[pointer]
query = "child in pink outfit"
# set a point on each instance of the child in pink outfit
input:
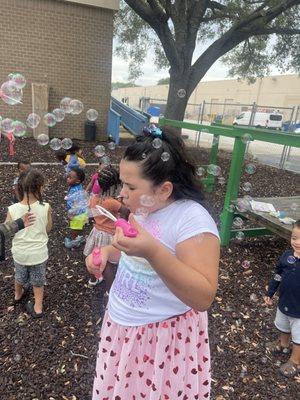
(93, 187)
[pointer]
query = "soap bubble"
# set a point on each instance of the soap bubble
(247, 138)
(247, 186)
(144, 155)
(49, 120)
(221, 180)
(214, 170)
(157, 143)
(33, 120)
(55, 144)
(105, 160)
(291, 259)
(66, 143)
(147, 201)
(17, 358)
(7, 125)
(231, 208)
(18, 79)
(240, 236)
(277, 278)
(250, 169)
(165, 156)
(294, 206)
(237, 222)
(243, 205)
(65, 105)
(246, 264)
(43, 139)
(253, 297)
(111, 145)
(99, 151)
(59, 114)
(19, 128)
(264, 360)
(76, 107)
(200, 171)
(181, 93)
(92, 114)
(10, 93)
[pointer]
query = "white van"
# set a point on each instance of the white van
(261, 120)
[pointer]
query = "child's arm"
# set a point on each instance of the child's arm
(89, 186)
(191, 274)
(50, 222)
(274, 282)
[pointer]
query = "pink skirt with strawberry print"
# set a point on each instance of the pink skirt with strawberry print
(157, 361)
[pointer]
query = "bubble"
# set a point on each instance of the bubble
(76, 107)
(10, 93)
(294, 206)
(214, 170)
(240, 236)
(200, 171)
(65, 105)
(33, 120)
(253, 297)
(277, 278)
(105, 160)
(143, 212)
(247, 138)
(19, 128)
(55, 144)
(7, 125)
(243, 205)
(59, 114)
(92, 114)
(221, 180)
(66, 143)
(165, 156)
(42, 139)
(17, 358)
(246, 264)
(181, 93)
(231, 208)
(291, 259)
(264, 360)
(247, 186)
(238, 222)
(157, 143)
(147, 201)
(18, 79)
(250, 169)
(99, 151)
(144, 155)
(111, 145)
(49, 120)
(277, 363)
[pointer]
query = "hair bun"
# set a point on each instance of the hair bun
(153, 131)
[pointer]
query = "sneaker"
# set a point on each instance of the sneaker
(94, 281)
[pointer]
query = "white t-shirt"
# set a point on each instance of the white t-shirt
(138, 295)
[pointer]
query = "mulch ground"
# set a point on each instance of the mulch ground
(54, 358)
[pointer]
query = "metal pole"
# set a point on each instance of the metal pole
(199, 115)
(202, 113)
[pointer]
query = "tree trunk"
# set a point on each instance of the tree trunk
(177, 97)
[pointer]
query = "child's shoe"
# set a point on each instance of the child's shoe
(68, 243)
(94, 281)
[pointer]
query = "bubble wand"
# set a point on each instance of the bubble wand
(126, 227)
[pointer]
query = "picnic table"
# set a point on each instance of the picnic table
(272, 223)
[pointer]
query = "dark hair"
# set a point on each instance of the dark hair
(31, 182)
(296, 224)
(75, 147)
(24, 162)
(178, 169)
(80, 173)
(61, 156)
(108, 179)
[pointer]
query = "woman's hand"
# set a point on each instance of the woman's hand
(28, 219)
(143, 245)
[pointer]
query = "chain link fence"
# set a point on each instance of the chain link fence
(286, 119)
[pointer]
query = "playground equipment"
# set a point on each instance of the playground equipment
(239, 134)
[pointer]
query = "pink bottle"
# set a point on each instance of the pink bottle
(128, 229)
(97, 260)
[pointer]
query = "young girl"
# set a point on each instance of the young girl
(287, 321)
(29, 246)
(76, 207)
(71, 158)
(154, 339)
(93, 186)
(104, 229)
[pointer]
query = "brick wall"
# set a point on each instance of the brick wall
(67, 46)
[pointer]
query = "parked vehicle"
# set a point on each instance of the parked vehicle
(260, 119)
(289, 126)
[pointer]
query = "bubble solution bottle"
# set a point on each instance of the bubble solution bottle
(97, 260)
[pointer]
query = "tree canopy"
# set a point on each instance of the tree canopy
(249, 35)
(163, 81)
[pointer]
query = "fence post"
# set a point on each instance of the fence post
(202, 113)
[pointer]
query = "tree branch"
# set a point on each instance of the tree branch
(214, 5)
(278, 31)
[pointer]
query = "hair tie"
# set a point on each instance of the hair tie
(153, 131)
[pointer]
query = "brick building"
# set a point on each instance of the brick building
(65, 44)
